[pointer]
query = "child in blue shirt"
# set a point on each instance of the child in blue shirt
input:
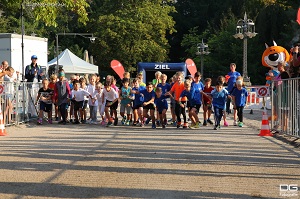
(219, 98)
(194, 102)
(239, 97)
(149, 96)
(138, 100)
(165, 87)
(161, 105)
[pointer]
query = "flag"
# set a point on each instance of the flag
(191, 66)
(298, 16)
(118, 68)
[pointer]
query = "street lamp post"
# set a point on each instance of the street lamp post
(84, 35)
(202, 50)
(245, 29)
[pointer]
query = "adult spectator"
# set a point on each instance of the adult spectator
(230, 84)
(33, 72)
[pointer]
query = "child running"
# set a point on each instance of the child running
(78, 95)
(239, 96)
(207, 102)
(148, 105)
(161, 105)
(219, 97)
(194, 102)
(45, 98)
(137, 102)
(177, 89)
(125, 97)
(110, 97)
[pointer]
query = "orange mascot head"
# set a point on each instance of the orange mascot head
(274, 54)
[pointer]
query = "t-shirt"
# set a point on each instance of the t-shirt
(148, 95)
(207, 91)
(91, 89)
(191, 96)
(161, 102)
(232, 79)
(240, 96)
(165, 88)
(219, 98)
(110, 95)
(79, 94)
(138, 98)
(198, 88)
(125, 94)
(177, 89)
(47, 94)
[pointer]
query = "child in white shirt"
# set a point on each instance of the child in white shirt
(77, 96)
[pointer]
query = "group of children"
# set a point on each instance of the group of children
(141, 103)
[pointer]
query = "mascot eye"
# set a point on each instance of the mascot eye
(273, 57)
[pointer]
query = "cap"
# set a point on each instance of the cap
(33, 57)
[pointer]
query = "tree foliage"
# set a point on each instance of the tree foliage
(132, 31)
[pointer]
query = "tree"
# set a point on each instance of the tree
(131, 32)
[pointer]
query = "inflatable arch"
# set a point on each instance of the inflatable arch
(150, 68)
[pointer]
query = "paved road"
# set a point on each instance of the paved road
(88, 161)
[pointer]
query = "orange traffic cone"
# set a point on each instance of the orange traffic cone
(2, 126)
(265, 128)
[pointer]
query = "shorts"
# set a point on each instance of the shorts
(114, 106)
(45, 107)
(126, 108)
(85, 103)
(149, 106)
(209, 106)
(137, 106)
(196, 106)
(160, 110)
(78, 105)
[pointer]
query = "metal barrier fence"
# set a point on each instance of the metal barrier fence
(18, 101)
(285, 95)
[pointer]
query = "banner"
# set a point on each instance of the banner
(191, 66)
(298, 16)
(118, 68)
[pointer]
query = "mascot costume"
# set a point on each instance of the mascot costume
(270, 58)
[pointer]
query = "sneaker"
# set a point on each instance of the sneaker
(165, 122)
(56, 118)
(148, 120)
(226, 123)
(192, 126)
(197, 125)
(174, 123)
(50, 121)
(215, 128)
(234, 123)
(83, 121)
(204, 123)
(219, 126)
(76, 122)
(103, 123)
(178, 124)
(153, 126)
(123, 120)
(40, 121)
(93, 122)
(127, 123)
(116, 121)
(240, 124)
(64, 122)
(185, 125)
(163, 126)
(209, 121)
(142, 124)
(109, 124)
(71, 120)
(158, 122)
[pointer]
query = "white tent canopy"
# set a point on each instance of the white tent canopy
(73, 64)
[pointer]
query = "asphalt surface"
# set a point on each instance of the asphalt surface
(92, 161)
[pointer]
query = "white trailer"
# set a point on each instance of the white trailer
(11, 50)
